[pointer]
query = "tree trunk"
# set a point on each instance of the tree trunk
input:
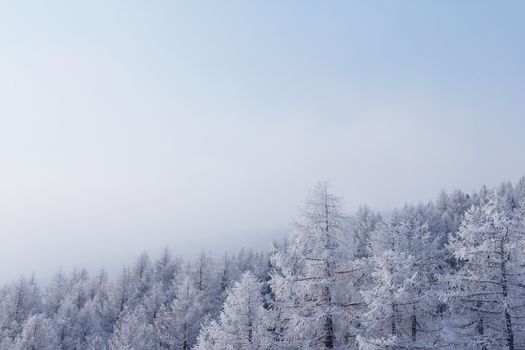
(481, 328)
(328, 333)
(414, 328)
(504, 286)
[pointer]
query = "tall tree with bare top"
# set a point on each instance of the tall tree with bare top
(313, 280)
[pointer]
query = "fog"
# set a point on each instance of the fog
(203, 128)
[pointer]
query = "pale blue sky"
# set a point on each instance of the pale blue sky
(127, 125)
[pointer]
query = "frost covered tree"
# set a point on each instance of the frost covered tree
(401, 300)
(362, 224)
(142, 277)
(187, 312)
(166, 269)
(519, 190)
(487, 294)
(242, 324)
(122, 292)
(56, 292)
(452, 208)
(18, 302)
(98, 311)
(163, 326)
(38, 334)
(314, 281)
(207, 280)
(133, 332)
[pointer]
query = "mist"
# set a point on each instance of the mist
(123, 134)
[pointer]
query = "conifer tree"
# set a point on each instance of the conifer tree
(487, 294)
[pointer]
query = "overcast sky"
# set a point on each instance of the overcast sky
(128, 125)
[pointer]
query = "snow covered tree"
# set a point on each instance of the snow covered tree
(142, 277)
(242, 324)
(122, 292)
(452, 208)
(187, 312)
(98, 309)
(166, 269)
(487, 293)
(519, 190)
(401, 303)
(362, 224)
(38, 334)
(133, 332)
(56, 292)
(207, 279)
(164, 329)
(314, 281)
(19, 301)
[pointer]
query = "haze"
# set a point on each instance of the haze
(129, 125)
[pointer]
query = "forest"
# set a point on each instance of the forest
(447, 274)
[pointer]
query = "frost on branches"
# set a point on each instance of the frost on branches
(487, 292)
(243, 323)
(315, 278)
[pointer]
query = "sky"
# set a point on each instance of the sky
(126, 126)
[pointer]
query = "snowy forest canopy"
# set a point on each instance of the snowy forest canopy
(446, 274)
